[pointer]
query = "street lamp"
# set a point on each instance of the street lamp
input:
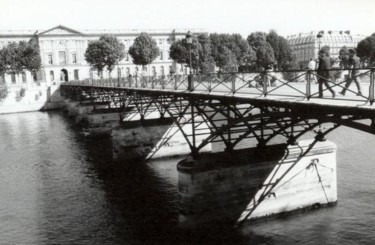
(189, 41)
(118, 74)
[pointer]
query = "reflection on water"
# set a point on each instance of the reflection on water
(59, 188)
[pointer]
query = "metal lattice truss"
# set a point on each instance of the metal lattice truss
(229, 120)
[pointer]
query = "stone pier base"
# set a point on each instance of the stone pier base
(251, 184)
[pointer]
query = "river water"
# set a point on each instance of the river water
(57, 187)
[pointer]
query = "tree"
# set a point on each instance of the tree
(95, 55)
(30, 55)
(366, 50)
(179, 51)
(104, 53)
(18, 57)
(115, 51)
(263, 50)
(13, 57)
(233, 45)
(3, 66)
(144, 50)
(201, 54)
(282, 50)
(226, 60)
(203, 61)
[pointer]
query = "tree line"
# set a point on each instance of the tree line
(230, 51)
(227, 52)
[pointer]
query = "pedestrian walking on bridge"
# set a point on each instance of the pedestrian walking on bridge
(323, 73)
(354, 63)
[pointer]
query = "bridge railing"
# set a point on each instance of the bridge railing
(291, 83)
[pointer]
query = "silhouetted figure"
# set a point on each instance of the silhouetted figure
(323, 73)
(354, 63)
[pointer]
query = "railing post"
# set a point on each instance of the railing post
(190, 83)
(265, 83)
(175, 82)
(308, 85)
(233, 84)
(372, 86)
(209, 83)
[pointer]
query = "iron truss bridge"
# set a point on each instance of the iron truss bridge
(234, 108)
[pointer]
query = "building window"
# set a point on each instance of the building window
(127, 57)
(162, 70)
(161, 55)
(50, 59)
(23, 77)
(160, 41)
(52, 75)
(13, 77)
(62, 58)
(153, 71)
(74, 58)
(76, 74)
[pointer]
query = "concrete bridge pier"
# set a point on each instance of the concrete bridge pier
(251, 184)
(101, 122)
(86, 108)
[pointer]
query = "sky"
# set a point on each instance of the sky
(287, 17)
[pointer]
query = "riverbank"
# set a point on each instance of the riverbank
(31, 97)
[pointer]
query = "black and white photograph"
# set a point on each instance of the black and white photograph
(193, 122)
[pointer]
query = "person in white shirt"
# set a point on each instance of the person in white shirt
(312, 67)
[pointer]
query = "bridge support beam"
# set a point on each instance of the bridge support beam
(152, 139)
(245, 186)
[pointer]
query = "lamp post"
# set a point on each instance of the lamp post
(118, 74)
(189, 41)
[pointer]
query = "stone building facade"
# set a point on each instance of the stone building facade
(306, 45)
(62, 52)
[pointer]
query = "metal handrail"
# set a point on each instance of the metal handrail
(263, 83)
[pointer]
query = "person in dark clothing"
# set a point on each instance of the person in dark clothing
(354, 63)
(323, 73)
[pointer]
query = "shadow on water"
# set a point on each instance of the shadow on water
(144, 206)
